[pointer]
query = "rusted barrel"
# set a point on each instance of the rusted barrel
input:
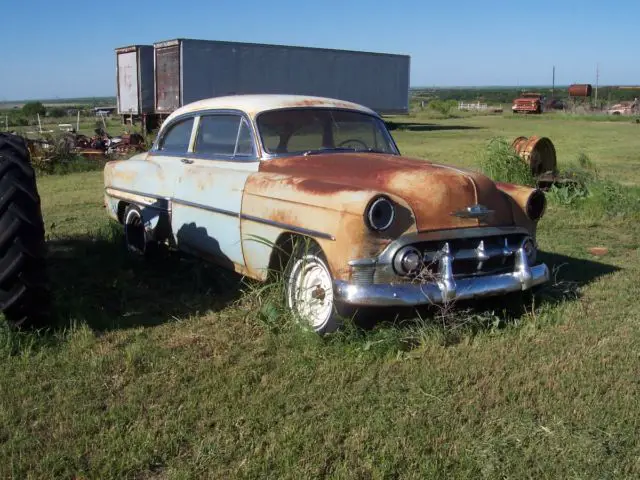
(580, 90)
(538, 152)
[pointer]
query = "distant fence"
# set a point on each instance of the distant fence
(472, 106)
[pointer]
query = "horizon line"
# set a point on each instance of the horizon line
(411, 87)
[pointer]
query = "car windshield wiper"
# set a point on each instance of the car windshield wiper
(342, 149)
(371, 150)
(329, 149)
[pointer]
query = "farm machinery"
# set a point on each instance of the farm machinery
(103, 144)
(99, 145)
(24, 290)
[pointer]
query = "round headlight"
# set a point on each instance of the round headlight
(407, 260)
(536, 205)
(530, 250)
(380, 214)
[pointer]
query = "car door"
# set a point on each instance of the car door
(150, 183)
(208, 194)
(164, 160)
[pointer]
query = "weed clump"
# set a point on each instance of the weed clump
(500, 162)
(585, 191)
(593, 194)
(443, 107)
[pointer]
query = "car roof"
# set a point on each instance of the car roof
(252, 105)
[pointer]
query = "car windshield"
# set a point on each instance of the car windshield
(315, 130)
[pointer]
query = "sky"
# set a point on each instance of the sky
(65, 49)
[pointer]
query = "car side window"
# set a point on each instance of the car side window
(245, 141)
(177, 138)
(218, 134)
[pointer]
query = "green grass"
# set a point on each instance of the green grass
(612, 146)
(166, 370)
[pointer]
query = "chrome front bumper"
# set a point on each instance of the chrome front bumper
(446, 289)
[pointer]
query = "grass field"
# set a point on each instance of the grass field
(166, 370)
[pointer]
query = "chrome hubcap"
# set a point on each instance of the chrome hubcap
(310, 291)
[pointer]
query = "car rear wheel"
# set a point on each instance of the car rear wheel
(136, 236)
(309, 289)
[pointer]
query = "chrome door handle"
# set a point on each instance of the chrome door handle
(187, 161)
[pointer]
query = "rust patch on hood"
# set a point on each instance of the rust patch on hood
(432, 191)
(322, 187)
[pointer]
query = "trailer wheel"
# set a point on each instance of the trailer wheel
(24, 294)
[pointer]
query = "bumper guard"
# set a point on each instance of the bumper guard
(446, 289)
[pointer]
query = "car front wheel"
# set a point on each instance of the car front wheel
(309, 289)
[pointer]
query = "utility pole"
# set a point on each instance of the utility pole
(553, 84)
(597, 79)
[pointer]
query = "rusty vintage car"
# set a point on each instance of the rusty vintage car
(317, 189)
(625, 108)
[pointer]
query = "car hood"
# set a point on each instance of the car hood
(434, 192)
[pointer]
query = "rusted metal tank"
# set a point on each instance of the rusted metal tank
(538, 152)
(580, 90)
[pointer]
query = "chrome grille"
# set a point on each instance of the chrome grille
(473, 256)
(453, 258)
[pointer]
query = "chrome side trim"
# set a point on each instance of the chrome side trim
(140, 204)
(250, 218)
(134, 192)
(186, 203)
(293, 228)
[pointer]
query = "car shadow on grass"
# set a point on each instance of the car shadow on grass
(568, 275)
(96, 281)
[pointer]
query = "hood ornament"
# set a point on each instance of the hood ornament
(476, 211)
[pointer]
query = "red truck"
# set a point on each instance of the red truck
(528, 103)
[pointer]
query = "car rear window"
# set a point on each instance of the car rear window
(176, 140)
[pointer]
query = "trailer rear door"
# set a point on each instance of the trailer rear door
(128, 82)
(167, 78)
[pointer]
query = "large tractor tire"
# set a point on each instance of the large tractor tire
(24, 294)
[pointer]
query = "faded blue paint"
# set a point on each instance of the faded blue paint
(219, 185)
